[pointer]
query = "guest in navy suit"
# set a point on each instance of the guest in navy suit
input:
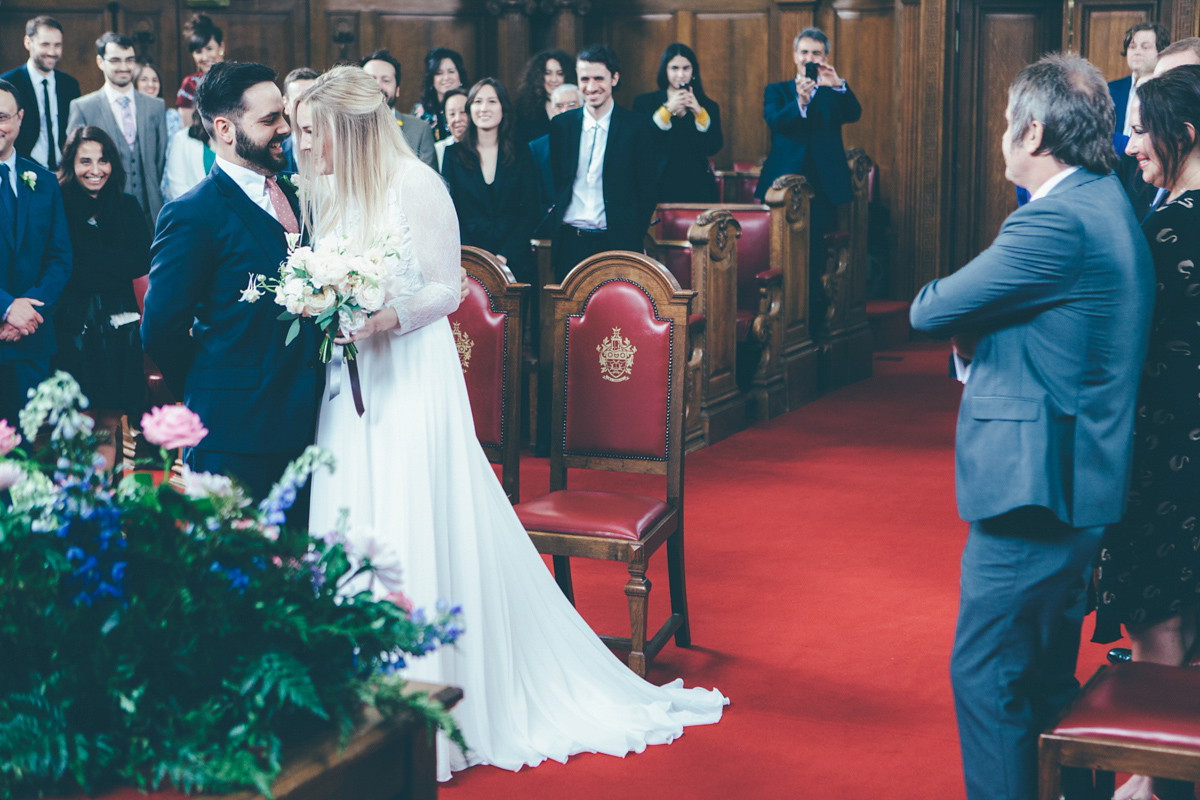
(1143, 42)
(35, 262)
(806, 116)
(606, 165)
(1055, 316)
(228, 359)
(38, 83)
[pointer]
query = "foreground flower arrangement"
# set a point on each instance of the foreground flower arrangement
(153, 638)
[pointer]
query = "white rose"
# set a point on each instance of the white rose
(371, 296)
(290, 295)
(351, 323)
(327, 269)
(319, 302)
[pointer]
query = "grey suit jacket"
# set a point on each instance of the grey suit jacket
(151, 117)
(419, 136)
(1061, 302)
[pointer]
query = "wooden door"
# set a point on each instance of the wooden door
(997, 38)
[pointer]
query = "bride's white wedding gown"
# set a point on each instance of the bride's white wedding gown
(537, 681)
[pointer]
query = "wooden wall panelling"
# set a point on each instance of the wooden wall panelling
(901, 280)
(512, 50)
(639, 40)
(793, 18)
(735, 69)
(1097, 29)
(271, 32)
(1185, 21)
(932, 169)
(998, 38)
(411, 34)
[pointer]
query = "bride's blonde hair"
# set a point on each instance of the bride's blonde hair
(349, 111)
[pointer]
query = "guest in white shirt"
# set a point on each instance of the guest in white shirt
(136, 122)
(45, 93)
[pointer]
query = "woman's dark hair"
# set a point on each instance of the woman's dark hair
(679, 49)
(1170, 103)
(531, 94)
(108, 151)
(200, 30)
(468, 149)
(433, 60)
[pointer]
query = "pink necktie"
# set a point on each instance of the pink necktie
(127, 120)
(283, 209)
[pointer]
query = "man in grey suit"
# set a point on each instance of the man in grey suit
(1054, 319)
(136, 122)
(385, 69)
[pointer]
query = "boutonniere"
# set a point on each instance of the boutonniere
(29, 178)
(289, 180)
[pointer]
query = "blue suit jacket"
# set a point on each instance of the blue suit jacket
(36, 262)
(1120, 89)
(66, 89)
(1061, 301)
(819, 133)
(254, 393)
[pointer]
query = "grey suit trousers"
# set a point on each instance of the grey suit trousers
(1022, 603)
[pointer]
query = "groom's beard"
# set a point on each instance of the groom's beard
(259, 154)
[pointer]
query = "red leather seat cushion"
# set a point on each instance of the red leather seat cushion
(745, 319)
(475, 323)
(673, 223)
(140, 285)
(609, 515)
(1139, 701)
(754, 255)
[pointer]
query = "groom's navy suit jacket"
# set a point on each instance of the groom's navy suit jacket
(1061, 302)
(225, 358)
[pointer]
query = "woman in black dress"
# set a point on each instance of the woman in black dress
(96, 320)
(690, 125)
(1149, 562)
(544, 73)
(493, 181)
(444, 71)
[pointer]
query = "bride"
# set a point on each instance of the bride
(537, 681)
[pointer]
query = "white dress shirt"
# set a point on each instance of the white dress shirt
(114, 96)
(41, 148)
(250, 182)
(586, 209)
(962, 367)
(1127, 128)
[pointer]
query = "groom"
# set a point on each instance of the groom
(227, 359)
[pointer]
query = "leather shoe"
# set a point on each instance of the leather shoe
(1119, 655)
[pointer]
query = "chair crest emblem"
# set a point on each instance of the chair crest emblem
(616, 357)
(463, 344)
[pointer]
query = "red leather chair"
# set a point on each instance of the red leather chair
(620, 346)
(1136, 718)
(487, 332)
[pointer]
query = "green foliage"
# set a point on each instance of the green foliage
(151, 637)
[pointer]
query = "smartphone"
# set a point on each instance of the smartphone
(811, 70)
(687, 86)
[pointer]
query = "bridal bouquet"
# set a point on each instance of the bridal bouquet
(336, 288)
(161, 638)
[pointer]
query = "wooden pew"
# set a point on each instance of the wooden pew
(706, 261)
(844, 335)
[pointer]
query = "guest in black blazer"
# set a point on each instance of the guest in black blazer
(493, 181)
(606, 165)
(37, 80)
(690, 125)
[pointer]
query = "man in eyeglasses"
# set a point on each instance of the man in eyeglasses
(136, 122)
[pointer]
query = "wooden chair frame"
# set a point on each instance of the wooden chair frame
(718, 408)
(504, 297)
(1057, 750)
(674, 304)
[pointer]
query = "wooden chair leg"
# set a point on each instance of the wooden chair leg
(638, 592)
(676, 576)
(562, 574)
(1049, 771)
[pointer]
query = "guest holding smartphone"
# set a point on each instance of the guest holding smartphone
(493, 181)
(690, 126)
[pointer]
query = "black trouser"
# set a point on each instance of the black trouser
(16, 379)
(573, 245)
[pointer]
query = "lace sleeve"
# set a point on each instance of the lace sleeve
(433, 232)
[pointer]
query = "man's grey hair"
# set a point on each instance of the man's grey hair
(563, 89)
(811, 33)
(1069, 97)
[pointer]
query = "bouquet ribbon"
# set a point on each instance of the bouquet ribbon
(335, 379)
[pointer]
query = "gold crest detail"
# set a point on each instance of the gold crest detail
(463, 344)
(616, 357)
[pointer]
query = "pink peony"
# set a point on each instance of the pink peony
(173, 426)
(9, 438)
(400, 600)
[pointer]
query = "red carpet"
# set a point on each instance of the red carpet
(822, 558)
